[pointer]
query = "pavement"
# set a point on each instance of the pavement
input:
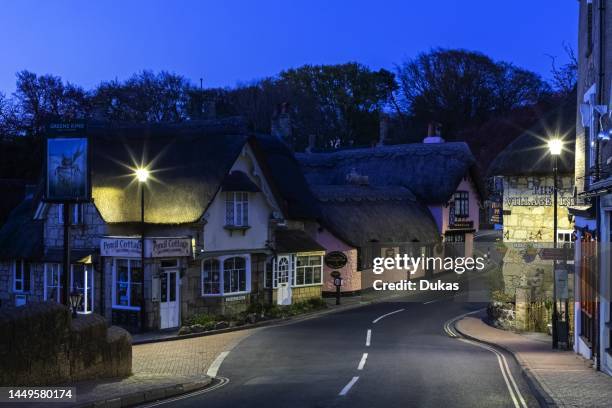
(562, 378)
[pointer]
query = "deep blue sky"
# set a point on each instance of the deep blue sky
(227, 42)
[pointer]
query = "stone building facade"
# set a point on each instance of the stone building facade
(214, 234)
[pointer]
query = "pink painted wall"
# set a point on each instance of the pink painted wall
(351, 277)
(440, 212)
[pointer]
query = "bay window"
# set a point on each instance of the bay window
(127, 286)
(237, 209)
(211, 279)
(226, 275)
(234, 275)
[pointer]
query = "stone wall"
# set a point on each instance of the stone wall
(37, 282)
(40, 344)
(86, 235)
(528, 207)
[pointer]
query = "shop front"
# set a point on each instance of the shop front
(295, 273)
(165, 262)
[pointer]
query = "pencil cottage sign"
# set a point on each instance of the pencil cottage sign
(154, 247)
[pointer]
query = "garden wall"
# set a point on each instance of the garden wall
(40, 344)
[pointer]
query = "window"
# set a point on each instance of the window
(454, 237)
(589, 28)
(53, 282)
(462, 204)
(226, 275)
(127, 286)
(21, 276)
(565, 237)
(81, 280)
(309, 270)
(234, 275)
(77, 214)
(211, 279)
(237, 209)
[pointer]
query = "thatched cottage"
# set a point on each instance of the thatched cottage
(225, 215)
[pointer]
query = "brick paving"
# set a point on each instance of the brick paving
(566, 377)
(184, 357)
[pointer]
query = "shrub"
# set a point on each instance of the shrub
(203, 319)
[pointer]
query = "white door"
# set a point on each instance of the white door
(169, 299)
(283, 276)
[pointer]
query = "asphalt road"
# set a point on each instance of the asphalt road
(411, 362)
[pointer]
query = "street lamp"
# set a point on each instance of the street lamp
(142, 175)
(555, 146)
(75, 301)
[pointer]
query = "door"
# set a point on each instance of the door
(169, 299)
(283, 277)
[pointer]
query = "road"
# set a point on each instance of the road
(406, 360)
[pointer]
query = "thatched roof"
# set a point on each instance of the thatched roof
(187, 164)
(528, 154)
(21, 237)
(286, 174)
(432, 171)
(361, 215)
(190, 162)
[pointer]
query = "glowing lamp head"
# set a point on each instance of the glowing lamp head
(142, 175)
(555, 146)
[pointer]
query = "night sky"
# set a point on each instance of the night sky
(228, 42)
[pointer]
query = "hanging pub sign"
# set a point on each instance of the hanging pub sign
(335, 259)
(67, 163)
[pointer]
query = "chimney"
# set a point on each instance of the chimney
(281, 124)
(433, 133)
(312, 141)
(383, 129)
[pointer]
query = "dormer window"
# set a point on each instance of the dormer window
(236, 208)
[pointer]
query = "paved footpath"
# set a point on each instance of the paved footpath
(160, 370)
(568, 379)
(191, 356)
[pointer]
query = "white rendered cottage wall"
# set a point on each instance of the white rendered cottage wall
(261, 208)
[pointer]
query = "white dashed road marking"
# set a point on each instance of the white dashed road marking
(348, 386)
(362, 361)
(385, 315)
(368, 338)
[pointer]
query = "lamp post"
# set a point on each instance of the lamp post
(142, 175)
(555, 146)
